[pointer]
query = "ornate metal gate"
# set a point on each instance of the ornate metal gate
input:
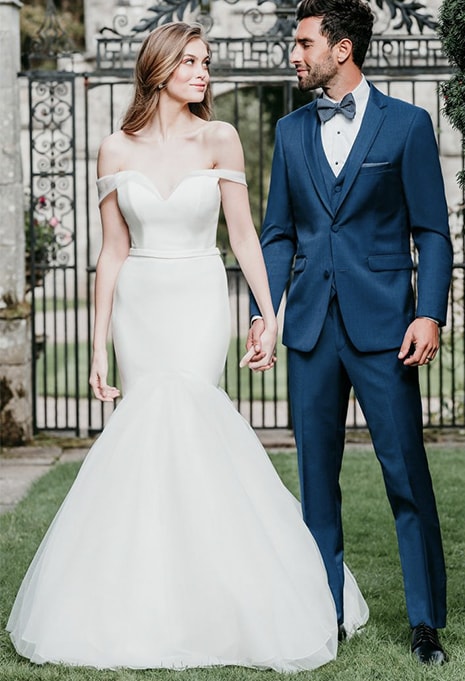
(70, 112)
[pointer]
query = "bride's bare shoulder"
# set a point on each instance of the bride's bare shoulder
(225, 145)
(113, 151)
(221, 132)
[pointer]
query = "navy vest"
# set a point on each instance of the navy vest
(333, 184)
(333, 187)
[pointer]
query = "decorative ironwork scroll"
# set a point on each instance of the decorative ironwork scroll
(405, 12)
(268, 33)
(51, 40)
(408, 13)
(169, 10)
(51, 256)
(51, 231)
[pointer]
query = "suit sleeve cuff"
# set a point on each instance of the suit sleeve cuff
(436, 321)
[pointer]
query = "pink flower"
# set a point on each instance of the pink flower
(54, 222)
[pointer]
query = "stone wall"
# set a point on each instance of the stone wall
(15, 342)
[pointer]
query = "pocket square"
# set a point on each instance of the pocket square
(381, 164)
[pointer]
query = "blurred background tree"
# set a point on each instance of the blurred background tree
(451, 30)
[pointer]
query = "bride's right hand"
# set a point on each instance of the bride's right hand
(98, 379)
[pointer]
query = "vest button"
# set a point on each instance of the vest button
(337, 188)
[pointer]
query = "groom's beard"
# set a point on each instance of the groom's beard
(317, 76)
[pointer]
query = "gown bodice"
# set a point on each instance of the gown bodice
(184, 221)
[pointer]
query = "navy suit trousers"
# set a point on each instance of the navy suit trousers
(388, 392)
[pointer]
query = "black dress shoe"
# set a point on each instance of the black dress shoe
(426, 646)
(341, 633)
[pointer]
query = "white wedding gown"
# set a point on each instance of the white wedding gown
(177, 546)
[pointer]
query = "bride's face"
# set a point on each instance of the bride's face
(189, 80)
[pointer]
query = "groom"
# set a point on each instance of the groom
(355, 176)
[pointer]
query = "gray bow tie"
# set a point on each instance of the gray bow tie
(327, 109)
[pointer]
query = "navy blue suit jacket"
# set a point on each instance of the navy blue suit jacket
(392, 192)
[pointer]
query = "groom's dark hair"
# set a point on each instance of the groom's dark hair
(351, 19)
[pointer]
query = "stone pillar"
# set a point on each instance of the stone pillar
(15, 341)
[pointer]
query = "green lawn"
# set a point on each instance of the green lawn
(42, 304)
(379, 654)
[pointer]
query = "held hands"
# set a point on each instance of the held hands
(261, 344)
(98, 379)
(421, 342)
(420, 345)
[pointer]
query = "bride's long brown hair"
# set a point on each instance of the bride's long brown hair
(160, 54)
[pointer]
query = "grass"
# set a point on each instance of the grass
(379, 653)
(42, 304)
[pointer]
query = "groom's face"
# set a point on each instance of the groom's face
(314, 60)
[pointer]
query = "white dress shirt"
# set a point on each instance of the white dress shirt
(339, 133)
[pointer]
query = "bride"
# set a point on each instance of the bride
(177, 546)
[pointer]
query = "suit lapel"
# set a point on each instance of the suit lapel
(372, 120)
(374, 116)
(310, 129)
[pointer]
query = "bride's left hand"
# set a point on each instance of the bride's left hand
(261, 348)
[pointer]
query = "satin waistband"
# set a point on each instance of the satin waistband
(173, 255)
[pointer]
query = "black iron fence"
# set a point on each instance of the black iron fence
(265, 54)
(70, 114)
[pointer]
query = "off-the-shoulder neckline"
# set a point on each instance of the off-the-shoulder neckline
(216, 172)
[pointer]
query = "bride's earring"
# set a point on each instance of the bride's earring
(161, 86)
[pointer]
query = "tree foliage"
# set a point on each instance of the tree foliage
(451, 30)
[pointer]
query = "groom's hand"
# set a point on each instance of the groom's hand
(261, 347)
(421, 342)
